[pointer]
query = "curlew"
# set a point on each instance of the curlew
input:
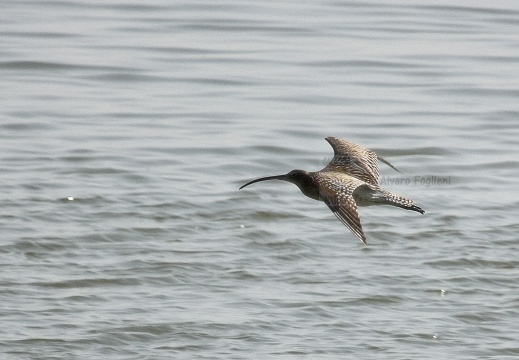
(348, 181)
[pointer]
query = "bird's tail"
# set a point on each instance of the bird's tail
(389, 198)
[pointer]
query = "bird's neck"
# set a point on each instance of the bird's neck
(308, 188)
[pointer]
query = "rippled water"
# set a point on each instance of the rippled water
(126, 130)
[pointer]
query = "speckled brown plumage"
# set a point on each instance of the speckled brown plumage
(348, 181)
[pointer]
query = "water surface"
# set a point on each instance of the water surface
(126, 130)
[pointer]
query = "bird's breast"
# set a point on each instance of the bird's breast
(310, 190)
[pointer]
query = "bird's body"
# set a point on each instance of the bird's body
(348, 181)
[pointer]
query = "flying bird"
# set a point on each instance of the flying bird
(348, 181)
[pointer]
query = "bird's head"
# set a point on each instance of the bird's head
(298, 177)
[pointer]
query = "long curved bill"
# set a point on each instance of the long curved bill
(275, 177)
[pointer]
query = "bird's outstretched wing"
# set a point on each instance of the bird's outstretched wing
(354, 160)
(336, 190)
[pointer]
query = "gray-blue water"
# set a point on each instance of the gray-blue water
(127, 128)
